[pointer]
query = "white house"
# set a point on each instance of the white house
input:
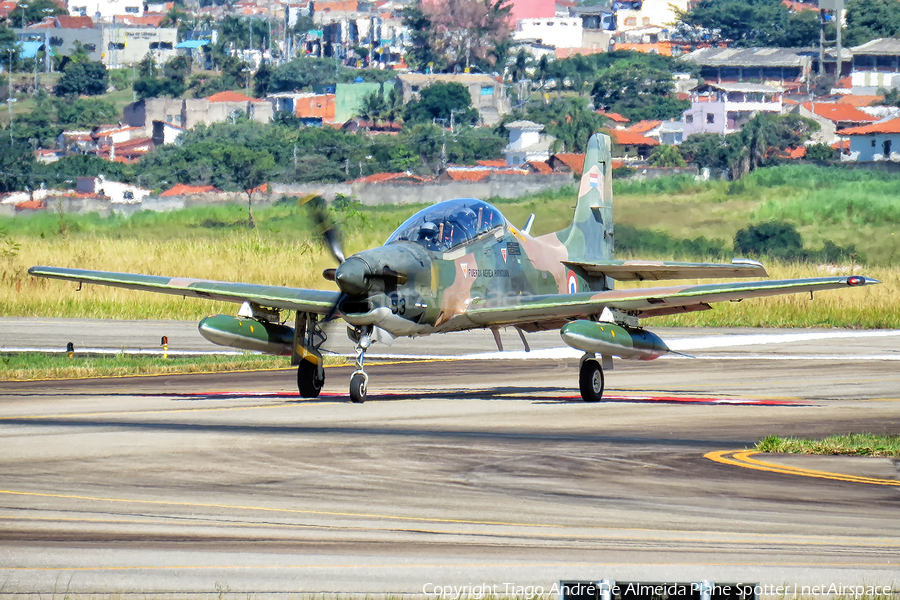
(723, 108)
(527, 143)
(878, 141)
(557, 32)
(118, 193)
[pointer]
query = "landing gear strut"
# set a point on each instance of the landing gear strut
(359, 381)
(308, 339)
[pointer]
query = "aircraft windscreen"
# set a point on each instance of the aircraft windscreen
(449, 224)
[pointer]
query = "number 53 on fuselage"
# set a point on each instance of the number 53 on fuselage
(461, 265)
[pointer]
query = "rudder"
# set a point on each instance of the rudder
(590, 236)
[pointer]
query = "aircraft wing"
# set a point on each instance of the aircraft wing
(643, 302)
(641, 270)
(270, 296)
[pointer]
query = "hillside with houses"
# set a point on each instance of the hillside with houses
(160, 104)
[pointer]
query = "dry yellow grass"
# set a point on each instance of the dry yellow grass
(246, 256)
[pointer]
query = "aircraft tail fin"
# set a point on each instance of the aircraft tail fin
(590, 236)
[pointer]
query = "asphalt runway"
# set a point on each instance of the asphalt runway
(456, 473)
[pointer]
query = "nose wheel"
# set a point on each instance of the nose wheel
(359, 381)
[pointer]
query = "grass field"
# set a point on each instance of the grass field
(23, 367)
(214, 243)
(856, 444)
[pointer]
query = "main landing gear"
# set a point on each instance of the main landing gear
(308, 340)
(590, 377)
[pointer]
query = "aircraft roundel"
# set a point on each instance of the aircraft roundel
(572, 282)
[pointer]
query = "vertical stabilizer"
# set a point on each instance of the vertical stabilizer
(590, 236)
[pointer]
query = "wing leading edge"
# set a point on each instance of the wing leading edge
(644, 302)
(285, 298)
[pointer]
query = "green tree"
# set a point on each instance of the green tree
(83, 78)
(773, 238)
(821, 152)
(152, 87)
(372, 107)
(248, 169)
(637, 91)
(440, 101)
(868, 19)
(749, 23)
(16, 167)
(570, 120)
(706, 150)
(85, 112)
(33, 11)
(666, 156)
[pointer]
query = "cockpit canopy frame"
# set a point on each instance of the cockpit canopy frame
(449, 224)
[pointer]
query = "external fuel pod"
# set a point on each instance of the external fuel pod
(248, 334)
(613, 340)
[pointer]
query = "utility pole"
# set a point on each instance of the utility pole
(10, 99)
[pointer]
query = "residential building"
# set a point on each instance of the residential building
(659, 13)
(527, 143)
(790, 67)
(874, 142)
(488, 94)
(630, 144)
(116, 192)
(189, 113)
(832, 116)
(559, 32)
(112, 44)
(101, 9)
(311, 108)
(723, 108)
(650, 40)
(875, 65)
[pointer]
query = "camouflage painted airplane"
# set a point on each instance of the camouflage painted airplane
(460, 265)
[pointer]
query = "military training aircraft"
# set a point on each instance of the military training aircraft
(459, 265)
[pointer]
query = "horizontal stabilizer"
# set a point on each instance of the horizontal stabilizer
(642, 270)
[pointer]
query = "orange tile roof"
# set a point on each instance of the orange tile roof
(859, 100)
(473, 175)
(664, 48)
(631, 138)
(892, 126)
(839, 112)
(265, 188)
(31, 205)
(575, 162)
(841, 145)
(845, 83)
(229, 96)
(180, 189)
(69, 22)
(644, 126)
(795, 153)
(148, 20)
(492, 163)
(386, 177)
(614, 116)
(541, 167)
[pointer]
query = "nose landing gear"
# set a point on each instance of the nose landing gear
(359, 381)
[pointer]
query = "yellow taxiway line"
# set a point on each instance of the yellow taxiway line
(742, 458)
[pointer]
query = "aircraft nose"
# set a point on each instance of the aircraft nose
(353, 276)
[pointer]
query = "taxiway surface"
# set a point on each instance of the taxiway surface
(457, 472)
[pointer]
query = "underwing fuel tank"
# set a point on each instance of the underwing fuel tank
(248, 334)
(613, 340)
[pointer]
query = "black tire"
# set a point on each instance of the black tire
(358, 388)
(308, 382)
(590, 380)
